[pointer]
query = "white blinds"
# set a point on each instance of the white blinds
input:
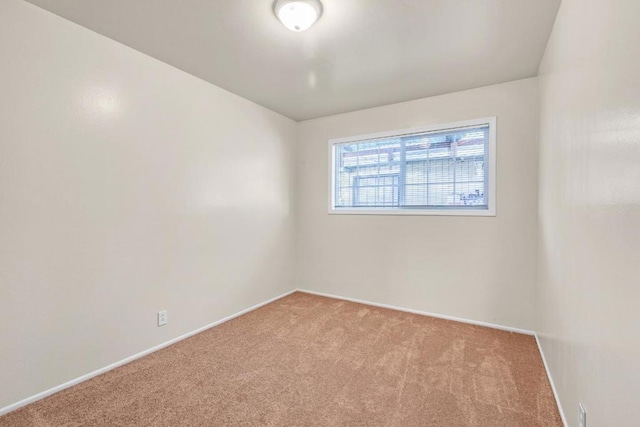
(430, 170)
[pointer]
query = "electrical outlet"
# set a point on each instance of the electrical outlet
(163, 318)
(582, 416)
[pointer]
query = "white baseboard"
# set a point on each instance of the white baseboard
(100, 371)
(423, 313)
(553, 387)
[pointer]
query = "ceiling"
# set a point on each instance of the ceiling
(360, 54)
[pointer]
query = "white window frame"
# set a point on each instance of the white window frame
(492, 193)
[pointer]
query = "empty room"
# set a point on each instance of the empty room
(320, 213)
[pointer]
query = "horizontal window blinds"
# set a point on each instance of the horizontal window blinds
(430, 170)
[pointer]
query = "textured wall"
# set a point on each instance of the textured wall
(589, 320)
(126, 187)
(480, 268)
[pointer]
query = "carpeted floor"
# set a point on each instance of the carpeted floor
(306, 360)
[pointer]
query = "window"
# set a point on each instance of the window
(440, 170)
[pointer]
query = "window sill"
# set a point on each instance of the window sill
(414, 212)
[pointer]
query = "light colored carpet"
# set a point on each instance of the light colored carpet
(306, 360)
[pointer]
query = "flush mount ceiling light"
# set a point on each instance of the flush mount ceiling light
(298, 15)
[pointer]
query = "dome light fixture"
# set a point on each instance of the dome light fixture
(298, 15)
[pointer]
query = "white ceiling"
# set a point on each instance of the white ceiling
(360, 54)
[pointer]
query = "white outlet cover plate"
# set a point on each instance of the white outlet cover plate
(162, 318)
(582, 416)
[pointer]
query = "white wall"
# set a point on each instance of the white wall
(480, 268)
(589, 320)
(126, 187)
